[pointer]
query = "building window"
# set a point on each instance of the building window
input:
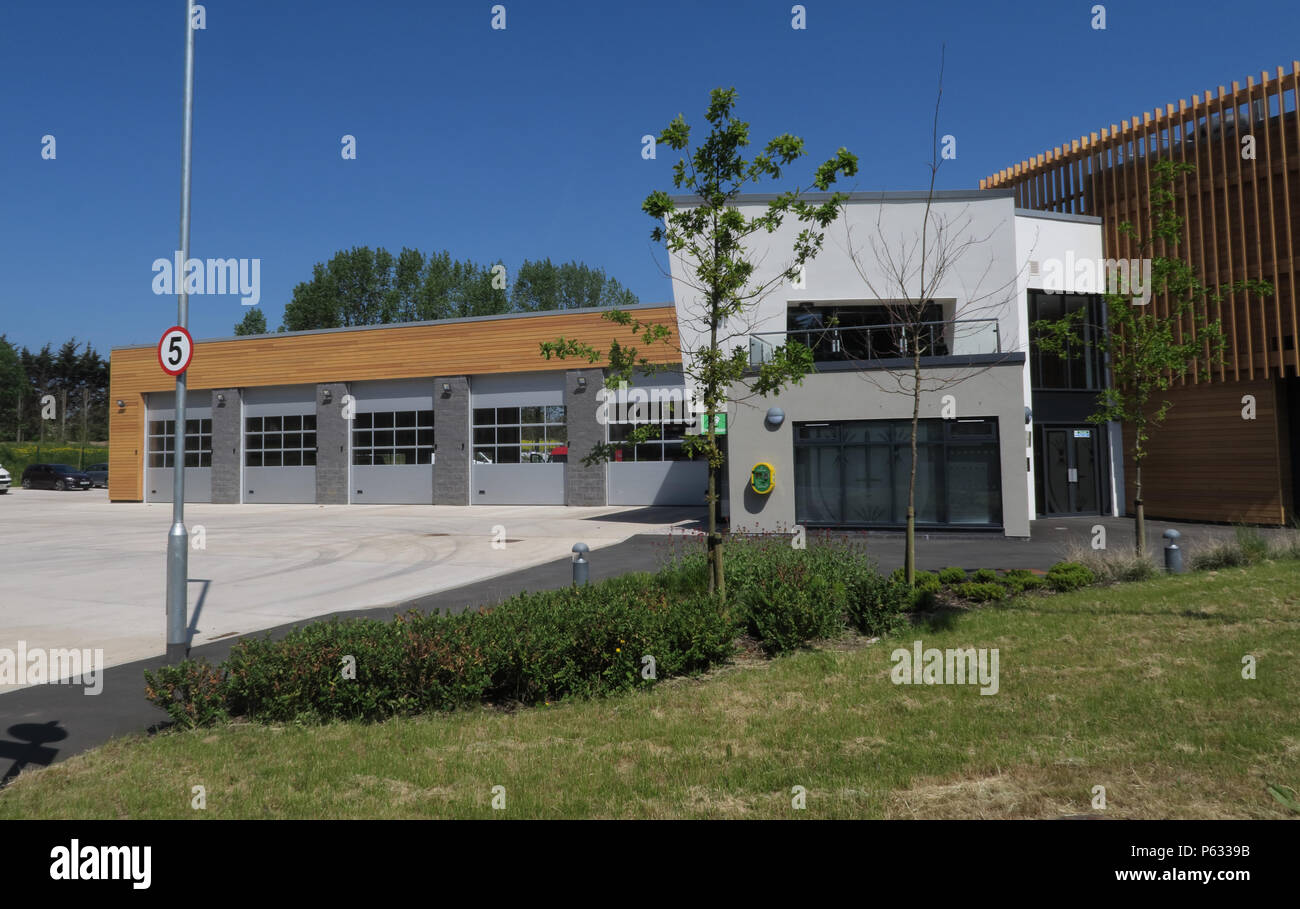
(666, 447)
(866, 331)
(1082, 369)
(286, 441)
(520, 435)
(392, 438)
(198, 443)
(856, 473)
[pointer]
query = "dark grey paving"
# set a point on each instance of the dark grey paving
(1051, 540)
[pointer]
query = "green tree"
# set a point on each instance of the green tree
(253, 323)
(13, 384)
(361, 286)
(542, 286)
(710, 236)
(905, 269)
(1148, 351)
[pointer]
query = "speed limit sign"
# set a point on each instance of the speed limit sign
(175, 350)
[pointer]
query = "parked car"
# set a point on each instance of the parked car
(54, 476)
(98, 474)
(5, 480)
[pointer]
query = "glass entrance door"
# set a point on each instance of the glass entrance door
(1070, 474)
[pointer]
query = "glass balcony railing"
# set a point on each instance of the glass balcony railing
(870, 343)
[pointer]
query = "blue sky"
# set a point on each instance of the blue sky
(513, 144)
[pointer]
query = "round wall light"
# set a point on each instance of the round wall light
(775, 416)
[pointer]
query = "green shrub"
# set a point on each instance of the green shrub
(980, 591)
(877, 606)
(1065, 576)
(786, 597)
(794, 606)
(305, 675)
(574, 642)
(192, 692)
(1018, 580)
(985, 576)
(589, 641)
(924, 590)
(952, 575)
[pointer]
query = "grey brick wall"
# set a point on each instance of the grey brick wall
(451, 432)
(583, 485)
(331, 446)
(227, 447)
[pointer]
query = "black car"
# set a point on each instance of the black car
(98, 474)
(54, 476)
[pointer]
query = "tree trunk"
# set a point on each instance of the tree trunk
(717, 581)
(1139, 516)
(909, 546)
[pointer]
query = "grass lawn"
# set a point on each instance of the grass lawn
(1136, 688)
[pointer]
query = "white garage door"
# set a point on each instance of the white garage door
(160, 449)
(280, 444)
(393, 443)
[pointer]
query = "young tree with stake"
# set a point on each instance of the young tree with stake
(1146, 349)
(709, 238)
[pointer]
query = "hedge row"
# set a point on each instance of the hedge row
(575, 642)
(16, 457)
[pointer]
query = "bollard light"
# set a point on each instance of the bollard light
(1173, 555)
(581, 566)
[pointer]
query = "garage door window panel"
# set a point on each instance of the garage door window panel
(198, 443)
(280, 441)
(392, 439)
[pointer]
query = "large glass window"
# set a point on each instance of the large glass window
(198, 443)
(667, 446)
(866, 331)
(284, 441)
(1083, 368)
(520, 435)
(392, 438)
(857, 473)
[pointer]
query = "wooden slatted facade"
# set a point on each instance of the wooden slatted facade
(426, 349)
(1241, 221)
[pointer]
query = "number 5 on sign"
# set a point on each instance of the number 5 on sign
(175, 350)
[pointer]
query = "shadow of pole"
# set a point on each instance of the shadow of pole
(30, 746)
(198, 608)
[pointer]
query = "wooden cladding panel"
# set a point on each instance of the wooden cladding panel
(1241, 214)
(397, 352)
(125, 442)
(1206, 463)
(402, 351)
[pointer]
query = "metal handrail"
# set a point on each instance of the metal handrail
(759, 343)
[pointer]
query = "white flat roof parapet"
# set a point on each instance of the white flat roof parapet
(940, 195)
(1057, 216)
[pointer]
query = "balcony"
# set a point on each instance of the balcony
(883, 345)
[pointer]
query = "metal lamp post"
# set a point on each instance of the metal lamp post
(178, 541)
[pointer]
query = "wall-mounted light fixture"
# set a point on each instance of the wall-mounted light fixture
(582, 381)
(446, 388)
(120, 403)
(775, 417)
(221, 400)
(326, 396)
